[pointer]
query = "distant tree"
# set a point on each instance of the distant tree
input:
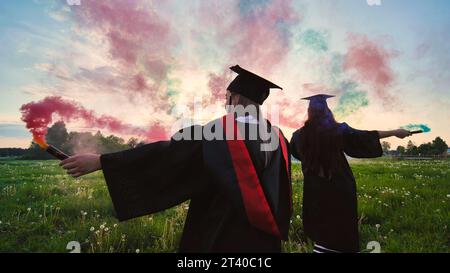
(425, 149)
(411, 149)
(439, 146)
(82, 142)
(386, 146)
(12, 152)
(401, 150)
(133, 142)
(57, 134)
(113, 143)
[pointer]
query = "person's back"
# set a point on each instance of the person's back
(229, 223)
(239, 189)
(329, 193)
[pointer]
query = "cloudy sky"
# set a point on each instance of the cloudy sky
(135, 67)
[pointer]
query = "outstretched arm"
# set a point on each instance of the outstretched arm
(81, 164)
(400, 133)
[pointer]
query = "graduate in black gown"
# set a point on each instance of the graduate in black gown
(329, 203)
(239, 192)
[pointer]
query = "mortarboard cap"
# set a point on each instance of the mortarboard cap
(318, 100)
(251, 85)
(320, 97)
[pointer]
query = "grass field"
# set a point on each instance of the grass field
(404, 205)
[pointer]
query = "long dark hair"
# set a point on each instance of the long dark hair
(321, 145)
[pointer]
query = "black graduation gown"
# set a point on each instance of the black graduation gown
(161, 175)
(330, 207)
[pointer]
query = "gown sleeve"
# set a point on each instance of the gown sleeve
(360, 143)
(153, 177)
(295, 145)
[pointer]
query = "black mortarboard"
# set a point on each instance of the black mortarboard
(318, 99)
(251, 85)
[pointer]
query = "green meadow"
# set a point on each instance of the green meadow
(403, 205)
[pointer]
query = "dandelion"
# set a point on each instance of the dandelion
(377, 226)
(137, 251)
(115, 225)
(92, 229)
(102, 227)
(28, 209)
(298, 216)
(448, 195)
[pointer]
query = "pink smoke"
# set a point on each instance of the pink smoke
(218, 84)
(371, 62)
(138, 37)
(39, 115)
(263, 38)
(291, 113)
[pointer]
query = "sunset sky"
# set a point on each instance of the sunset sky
(144, 63)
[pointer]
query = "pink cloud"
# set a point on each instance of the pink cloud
(218, 84)
(136, 34)
(372, 64)
(264, 36)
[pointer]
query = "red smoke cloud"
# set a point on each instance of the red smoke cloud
(291, 113)
(264, 34)
(139, 39)
(39, 115)
(133, 31)
(371, 62)
(218, 84)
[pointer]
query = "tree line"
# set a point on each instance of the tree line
(435, 148)
(73, 142)
(76, 142)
